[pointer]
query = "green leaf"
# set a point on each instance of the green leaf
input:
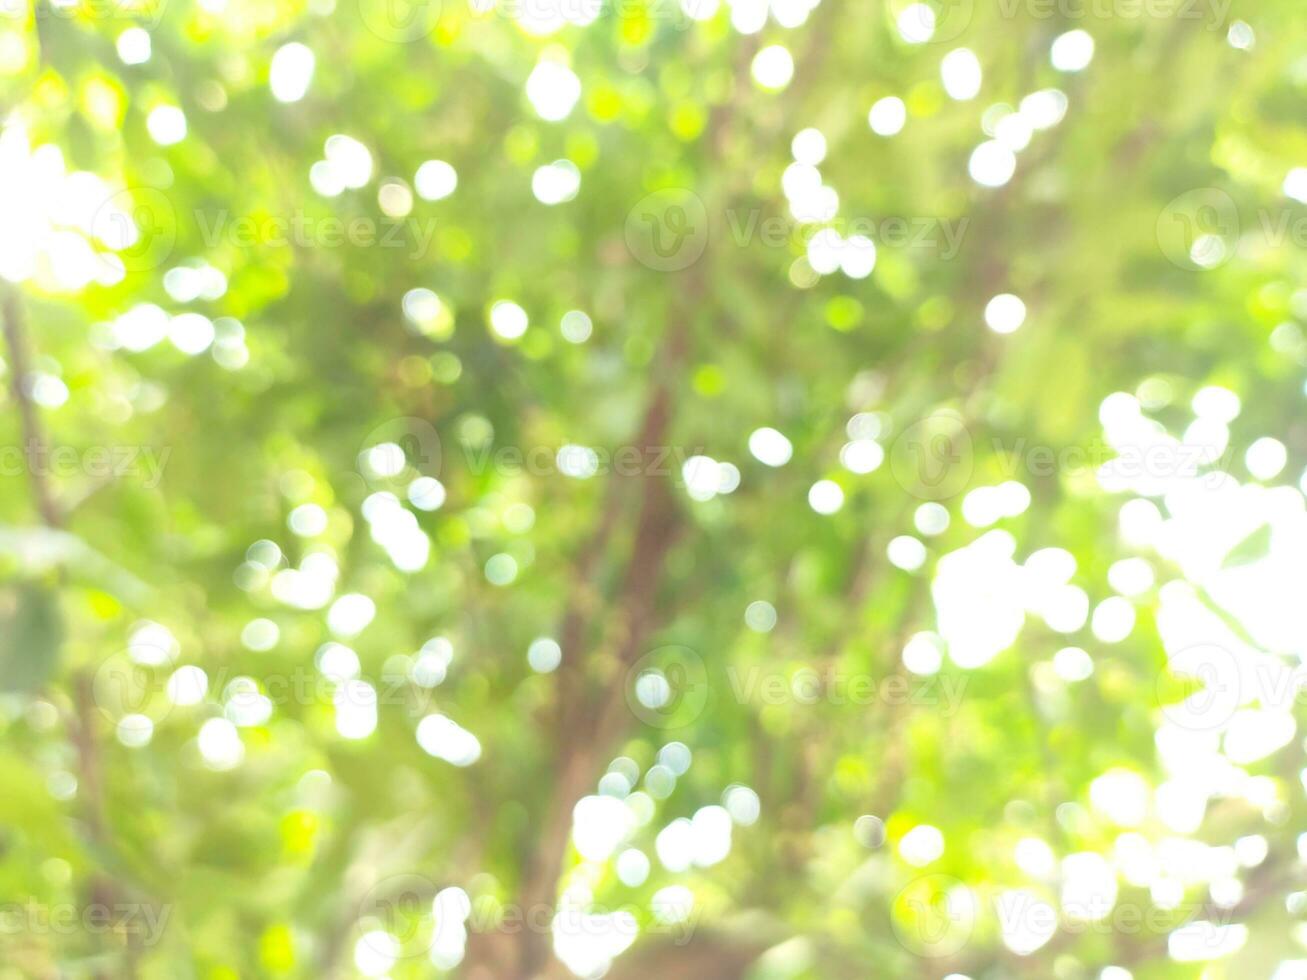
(42, 549)
(31, 636)
(1251, 549)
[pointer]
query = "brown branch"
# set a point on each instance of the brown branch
(585, 722)
(33, 440)
(103, 889)
(711, 956)
(586, 726)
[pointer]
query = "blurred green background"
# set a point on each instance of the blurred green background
(662, 489)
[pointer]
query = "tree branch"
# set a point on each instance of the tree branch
(33, 439)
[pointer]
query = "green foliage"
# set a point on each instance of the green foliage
(272, 672)
(33, 635)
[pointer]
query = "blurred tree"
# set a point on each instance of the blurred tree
(776, 490)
